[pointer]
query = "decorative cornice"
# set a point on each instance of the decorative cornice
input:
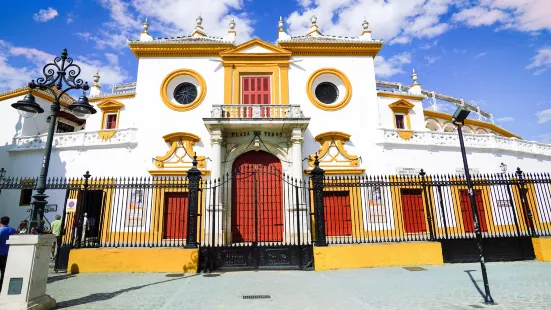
(112, 96)
(399, 95)
(65, 101)
(178, 49)
(493, 127)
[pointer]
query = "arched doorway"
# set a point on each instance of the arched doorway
(257, 198)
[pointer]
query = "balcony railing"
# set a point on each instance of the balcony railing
(81, 139)
(480, 141)
(262, 111)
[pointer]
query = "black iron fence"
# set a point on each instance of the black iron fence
(267, 207)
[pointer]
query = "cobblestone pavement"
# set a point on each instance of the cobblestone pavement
(514, 285)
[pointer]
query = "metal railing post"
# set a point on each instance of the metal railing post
(194, 178)
(429, 209)
(318, 176)
(524, 201)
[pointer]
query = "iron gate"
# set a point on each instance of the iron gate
(255, 218)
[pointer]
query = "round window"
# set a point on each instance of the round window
(327, 92)
(185, 93)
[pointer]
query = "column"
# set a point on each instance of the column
(296, 139)
(213, 224)
(216, 144)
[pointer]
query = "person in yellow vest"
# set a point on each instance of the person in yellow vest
(56, 231)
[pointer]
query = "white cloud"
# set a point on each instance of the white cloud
(480, 55)
(70, 18)
(13, 77)
(386, 68)
(431, 59)
(541, 62)
(505, 119)
(544, 116)
(45, 15)
(479, 16)
(429, 45)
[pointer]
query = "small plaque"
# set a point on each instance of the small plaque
(16, 284)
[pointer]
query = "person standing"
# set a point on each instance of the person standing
(56, 230)
(5, 233)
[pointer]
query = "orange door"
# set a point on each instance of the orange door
(467, 211)
(336, 206)
(256, 90)
(176, 205)
(413, 211)
(257, 200)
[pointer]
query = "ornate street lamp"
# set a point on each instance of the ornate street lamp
(503, 168)
(57, 74)
(458, 119)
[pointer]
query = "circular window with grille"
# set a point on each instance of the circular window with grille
(327, 92)
(185, 93)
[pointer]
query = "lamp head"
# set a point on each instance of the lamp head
(503, 167)
(460, 115)
(82, 109)
(27, 106)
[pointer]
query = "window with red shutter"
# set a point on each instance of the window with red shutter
(399, 121)
(111, 122)
(255, 90)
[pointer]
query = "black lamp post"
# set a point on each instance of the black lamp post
(56, 74)
(458, 119)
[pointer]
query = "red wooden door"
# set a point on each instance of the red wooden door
(176, 205)
(336, 206)
(257, 200)
(413, 211)
(467, 211)
(256, 90)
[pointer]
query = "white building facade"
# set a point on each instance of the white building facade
(208, 96)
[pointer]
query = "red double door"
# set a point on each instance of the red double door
(257, 199)
(256, 90)
(413, 211)
(175, 220)
(467, 210)
(336, 208)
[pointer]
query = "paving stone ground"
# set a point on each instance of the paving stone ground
(514, 285)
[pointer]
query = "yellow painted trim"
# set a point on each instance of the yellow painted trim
(107, 107)
(329, 107)
(331, 49)
(178, 50)
(106, 135)
(114, 96)
(405, 134)
(268, 70)
(176, 260)
(542, 248)
(188, 141)
(400, 96)
(174, 172)
(187, 107)
(486, 125)
(377, 255)
(64, 102)
(333, 139)
(237, 51)
(357, 171)
(284, 83)
(228, 84)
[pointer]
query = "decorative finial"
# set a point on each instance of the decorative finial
(316, 160)
(313, 19)
(199, 20)
(232, 24)
(365, 24)
(145, 25)
(96, 76)
(414, 77)
(281, 23)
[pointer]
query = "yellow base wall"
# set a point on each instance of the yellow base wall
(377, 255)
(134, 260)
(542, 248)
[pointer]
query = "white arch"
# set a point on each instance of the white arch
(449, 128)
(433, 125)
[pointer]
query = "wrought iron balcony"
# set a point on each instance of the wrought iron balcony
(240, 115)
(476, 141)
(80, 139)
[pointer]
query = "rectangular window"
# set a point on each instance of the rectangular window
(255, 90)
(62, 127)
(399, 121)
(25, 197)
(111, 121)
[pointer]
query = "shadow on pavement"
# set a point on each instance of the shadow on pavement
(475, 284)
(53, 279)
(106, 296)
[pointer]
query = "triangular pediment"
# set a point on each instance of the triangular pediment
(256, 46)
(110, 105)
(401, 104)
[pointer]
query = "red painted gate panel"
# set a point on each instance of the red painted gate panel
(467, 210)
(257, 200)
(413, 211)
(256, 90)
(336, 206)
(176, 205)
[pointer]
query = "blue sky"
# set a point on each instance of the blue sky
(495, 53)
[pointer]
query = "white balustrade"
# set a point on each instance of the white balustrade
(79, 139)
(451, 139)
(247, 111)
